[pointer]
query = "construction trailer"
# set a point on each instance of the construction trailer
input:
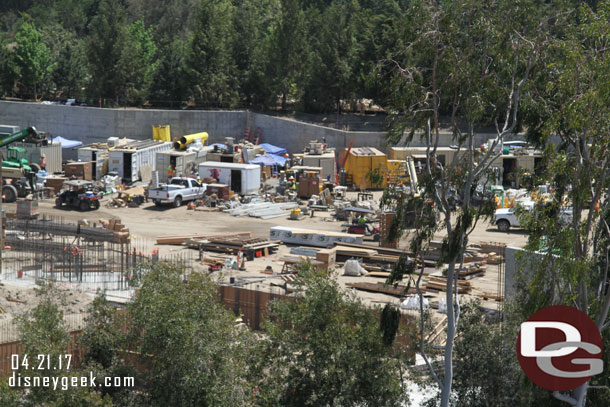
(182, 162)
(506, 169)
(366, 168)
(132, 159)
(444, 154)
(243, 179)
(326, 161)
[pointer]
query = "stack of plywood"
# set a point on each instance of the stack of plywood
(184, 239)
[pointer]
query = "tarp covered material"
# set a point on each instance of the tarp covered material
(269, 160)
(65, 143)
(271, 149)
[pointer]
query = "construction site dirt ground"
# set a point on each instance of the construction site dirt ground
(148, 222)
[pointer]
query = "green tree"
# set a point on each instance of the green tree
(70, 74)
(31, 58)
(168, 80)
(467, 59)
(252, 21)
(289, 52)
(571, 267)
(105, 48)
(325, 347)
(195, 352)
(43, 331)
(334, 39)
(136, 64)
(104, 345)
(209, 66)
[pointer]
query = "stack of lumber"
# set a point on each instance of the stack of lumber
(326, 256)
(250, 247)
(470, 271)
(371, 256)
(179, 240)
(381, 288)
(434, 283)
(214, 259)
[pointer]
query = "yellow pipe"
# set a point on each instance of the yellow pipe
(190, 138)
(179, 146)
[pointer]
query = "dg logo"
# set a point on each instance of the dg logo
(560, 348)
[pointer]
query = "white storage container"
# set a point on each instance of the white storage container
(243, 179)
(128, 160)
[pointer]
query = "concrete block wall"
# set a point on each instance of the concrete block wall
(295, 135)
(90, 124)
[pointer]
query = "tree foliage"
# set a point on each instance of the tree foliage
(325, 347)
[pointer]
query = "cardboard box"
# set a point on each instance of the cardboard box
(81, 170)
(222, 191)
(308, 186)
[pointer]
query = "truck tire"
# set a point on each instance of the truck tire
(10, 193)
(35, 168)
(83, 205)
(178, 201)
(95, 204)
(157, 202)
(59, 202)
(503, 225)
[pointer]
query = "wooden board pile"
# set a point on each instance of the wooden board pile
(382, 288)
(373, 258)
(178, 240)
(326, 257)
(250, 247)
(434, 283)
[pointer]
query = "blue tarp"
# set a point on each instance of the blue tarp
(65, 143)
(271, 149)
(269, 160)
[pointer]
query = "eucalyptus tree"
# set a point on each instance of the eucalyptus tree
(471, 62)
(571, 265)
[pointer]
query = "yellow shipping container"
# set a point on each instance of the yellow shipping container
(367, 168)
(162, 133)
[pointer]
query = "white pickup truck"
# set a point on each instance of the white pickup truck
(507, 218)
(177, 191)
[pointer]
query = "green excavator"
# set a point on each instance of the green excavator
(17, 172)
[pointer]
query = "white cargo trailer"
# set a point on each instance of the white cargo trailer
(128, 160)
(326, 161)
(243, 179)
(183, 163)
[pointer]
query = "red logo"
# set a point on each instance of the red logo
(560, 348)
